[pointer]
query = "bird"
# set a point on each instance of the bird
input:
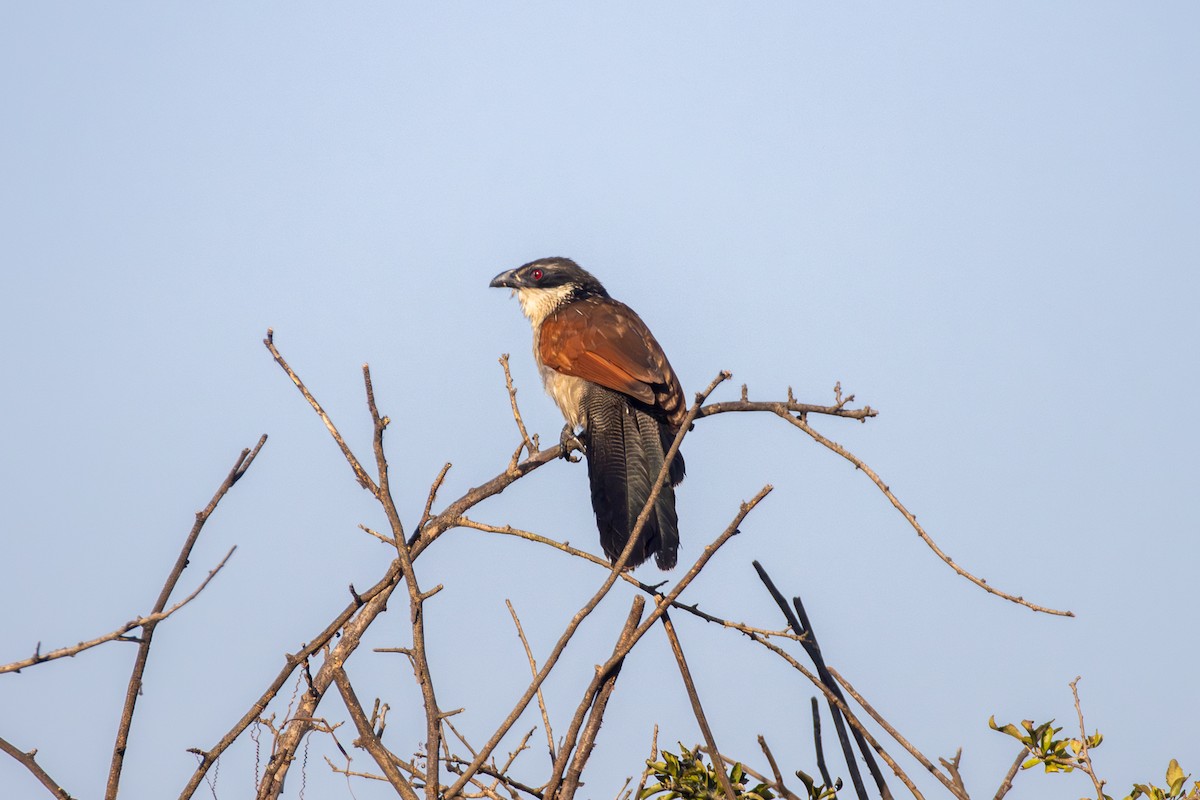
(613, 383)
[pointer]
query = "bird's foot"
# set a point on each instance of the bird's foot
(569, 443)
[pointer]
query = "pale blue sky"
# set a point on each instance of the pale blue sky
(980, 218)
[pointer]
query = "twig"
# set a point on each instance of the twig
(779, 784)
(593, 705)
(134, 689)
(119, 634)
(1083, 758)
(433, 490)
(385, 586)
(591, 604)
(697, 708)
(800, 423)
(371, 531)
(693, 609)
(360, 474)
(27, 760)
(526, 442)
(367, 738)
(952, 767)
(533, 669)
(645, 772)
(957, 791)
(1006, 784)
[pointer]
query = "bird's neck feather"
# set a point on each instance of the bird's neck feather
(537, 304)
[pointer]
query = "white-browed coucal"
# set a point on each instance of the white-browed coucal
(613, 382)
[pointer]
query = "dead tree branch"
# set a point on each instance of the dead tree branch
(39, 657)
(134, 689)
(697, 709)
(28, 761)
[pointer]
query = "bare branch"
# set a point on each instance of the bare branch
(564, 782)
(1006, 784)
(803, 425)
(533, 669)
(1084, 759)
(779, 784)
(693, 609)
(653, 757)
(360, 474)
(697, 708)
(661, 606)
(529, 445)
(367, 738)
(39, 657)
(845, 710)
(957, 791)
(433, 490)
(134, 689)
(27, 760)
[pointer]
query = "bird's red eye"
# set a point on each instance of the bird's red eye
(537, 274)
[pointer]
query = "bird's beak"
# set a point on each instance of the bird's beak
(506, 280)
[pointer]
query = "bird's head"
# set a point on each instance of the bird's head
(547, 283)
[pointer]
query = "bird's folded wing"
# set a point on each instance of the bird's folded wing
(605, 342)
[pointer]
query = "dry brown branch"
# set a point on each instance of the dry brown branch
(28, 761)
(563, 780)
(134, 689)
(372, 532)
(796, 414)
(789, 407)
(433, 490)
(565, 547)
(512, 757)
(803, 425)
(39, 657)
(779, 784)
(1085, 760)
(653, 757)
(895, 734)
(293, 732)
(385, 586)
(367, 739)
(617, 567)
(697, 709)
(1006, 784)
(664, 602)
(952, 766)
(529, 445)
(360, 474)
(533, 669)
(416, 599)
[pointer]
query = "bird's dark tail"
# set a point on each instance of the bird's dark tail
(626, 444)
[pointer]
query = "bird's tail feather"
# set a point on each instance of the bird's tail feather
(625, 449)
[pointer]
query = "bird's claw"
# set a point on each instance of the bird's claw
(569, 443)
